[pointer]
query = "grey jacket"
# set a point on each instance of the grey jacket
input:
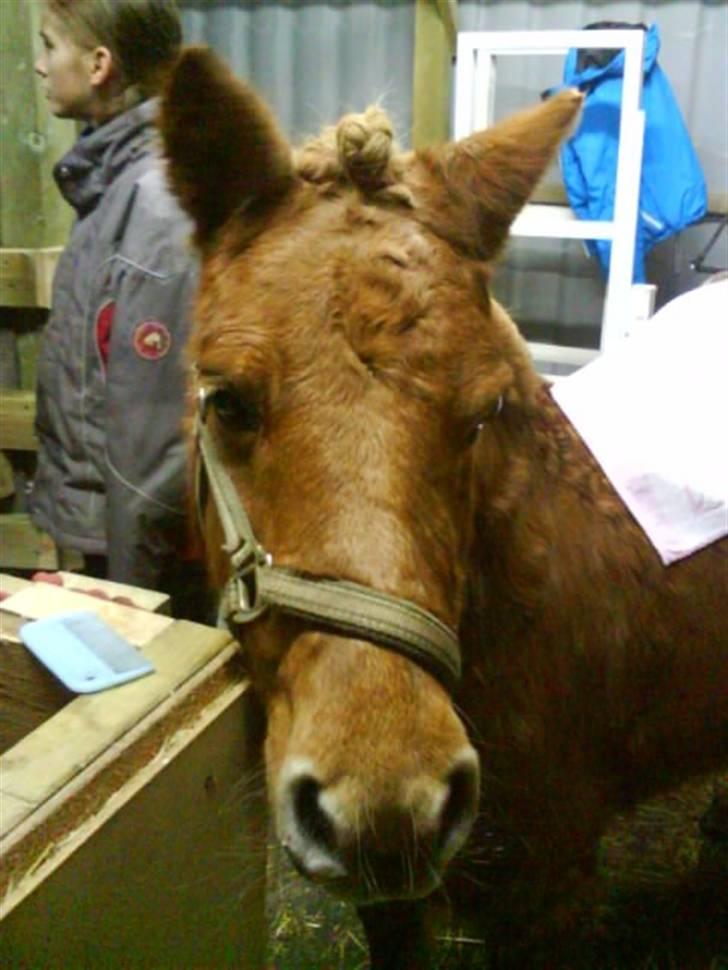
(111, 373)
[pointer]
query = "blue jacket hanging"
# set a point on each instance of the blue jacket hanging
(672, 191)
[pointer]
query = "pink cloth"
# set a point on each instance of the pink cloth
(654, 413)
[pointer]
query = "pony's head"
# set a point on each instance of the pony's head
(358, 376)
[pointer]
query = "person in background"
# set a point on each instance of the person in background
(111, 475)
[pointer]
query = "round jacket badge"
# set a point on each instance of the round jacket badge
(152, 339)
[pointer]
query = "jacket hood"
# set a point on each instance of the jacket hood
(615, 66)
(88, 168)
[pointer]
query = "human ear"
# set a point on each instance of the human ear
(101, 66)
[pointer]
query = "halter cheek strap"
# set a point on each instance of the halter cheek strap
(256, 584)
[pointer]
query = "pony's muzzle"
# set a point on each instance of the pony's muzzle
(367, 847)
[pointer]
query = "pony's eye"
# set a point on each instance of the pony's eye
(478, 425)
(473, 432)
(236, 412)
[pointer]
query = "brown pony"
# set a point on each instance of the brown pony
(378, 414)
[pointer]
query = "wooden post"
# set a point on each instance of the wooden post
(34, 223)
(435, 42)
(32, 212)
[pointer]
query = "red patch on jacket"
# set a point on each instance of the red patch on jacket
(152, 339)
(104, 322)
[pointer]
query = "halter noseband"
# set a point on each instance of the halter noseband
(256, 584)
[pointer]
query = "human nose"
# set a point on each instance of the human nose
(40, 67)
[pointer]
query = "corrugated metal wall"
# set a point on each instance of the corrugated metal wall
(315, 60)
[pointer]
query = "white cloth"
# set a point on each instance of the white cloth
(654, 411)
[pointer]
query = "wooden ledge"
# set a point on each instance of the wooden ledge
(80, 747)
(26, 276)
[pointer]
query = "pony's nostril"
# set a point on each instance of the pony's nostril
(460, 808)
(312, 820)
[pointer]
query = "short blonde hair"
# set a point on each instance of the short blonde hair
(144, 36)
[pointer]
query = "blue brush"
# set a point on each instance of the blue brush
(84, 652)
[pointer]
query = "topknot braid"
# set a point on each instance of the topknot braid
(359, 151)
(364, 143)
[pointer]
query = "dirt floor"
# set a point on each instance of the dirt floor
(667, 906)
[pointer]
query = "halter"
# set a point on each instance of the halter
(256, 584)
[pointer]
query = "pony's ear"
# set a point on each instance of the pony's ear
(470, 191)
(223, 147)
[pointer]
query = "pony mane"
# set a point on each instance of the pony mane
(360, 151)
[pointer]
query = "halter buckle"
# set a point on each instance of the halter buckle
(243, 588)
